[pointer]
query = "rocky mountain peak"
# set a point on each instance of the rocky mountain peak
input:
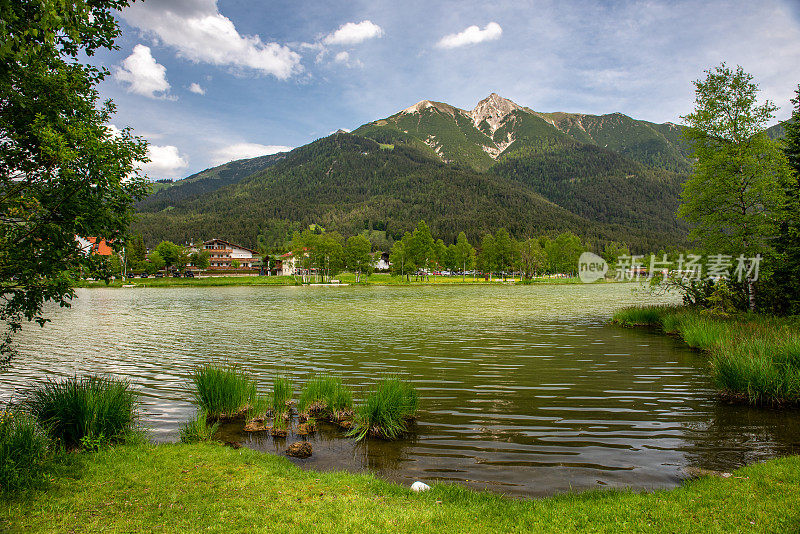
(492, 109)
(426, 104)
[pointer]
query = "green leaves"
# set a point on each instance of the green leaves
(738, 184)
(62, 173)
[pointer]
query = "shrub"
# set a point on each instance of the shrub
(88, 410)
(386, 412)
(197, 429)
(224, 392)
(23, 451)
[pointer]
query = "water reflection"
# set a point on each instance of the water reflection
(525, 389)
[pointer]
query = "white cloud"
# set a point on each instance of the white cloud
(143, 74)
(113, 130)
(245, 150)
(195, 88)
(471, 35)
(165, 162)
(343, 58)
(200, 33)
(353, 33)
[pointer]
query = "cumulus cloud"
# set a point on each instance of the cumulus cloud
(143, 74)
(195, 88)
(113, 130)
(245, 150)
(471, 35)
(200, 33)
(353, 33)
(165, 162)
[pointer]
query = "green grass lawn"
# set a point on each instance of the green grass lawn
(211, 488)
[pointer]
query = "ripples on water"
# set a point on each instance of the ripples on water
(525, 390)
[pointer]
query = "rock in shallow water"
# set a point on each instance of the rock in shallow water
(255, 426)
(299, 449)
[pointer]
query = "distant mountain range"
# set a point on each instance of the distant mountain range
(606, 177)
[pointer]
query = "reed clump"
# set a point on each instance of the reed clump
(225, 392)
(325, 396)
(754, 359)
(23, 451)
(84, 412)
(386, 411)
(282, 393)
(198, 429)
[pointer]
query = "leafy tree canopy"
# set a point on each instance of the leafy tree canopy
(63, 172)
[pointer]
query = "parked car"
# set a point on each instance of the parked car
(159, 275)
(188, 274)
(143, 275)
(176, 274)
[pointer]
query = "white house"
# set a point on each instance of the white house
(224, 253)
(382, 262)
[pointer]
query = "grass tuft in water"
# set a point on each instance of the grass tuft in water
(326, 396)
(198, 429)
(639, 316)
(224, 392)
(282, 393)
(85, 412)
(386, 411)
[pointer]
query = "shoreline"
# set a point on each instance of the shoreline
(212, 487)
(345, 280)
(753, 359)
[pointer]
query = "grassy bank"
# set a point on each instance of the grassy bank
(378, 279)
(208, 487)
(754, 358)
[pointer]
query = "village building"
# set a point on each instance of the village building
(381, 261)
(93, 245)
(223, 254)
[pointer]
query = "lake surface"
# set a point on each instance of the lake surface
(525, 390)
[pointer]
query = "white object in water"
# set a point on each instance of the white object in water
(419, 486)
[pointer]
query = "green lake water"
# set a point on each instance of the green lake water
(525, 390)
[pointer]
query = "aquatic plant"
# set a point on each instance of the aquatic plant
(90, 409)
(703, 332)
(325, 395)
(198, 429)
(386, 411)
(760, 370)
(225, 392)
(640, 316)
(23, 451)
(754, 358)
(281, 394)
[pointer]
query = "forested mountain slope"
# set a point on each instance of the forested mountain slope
(206, 181)
(349, 183)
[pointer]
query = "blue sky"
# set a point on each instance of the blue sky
(208, 81)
